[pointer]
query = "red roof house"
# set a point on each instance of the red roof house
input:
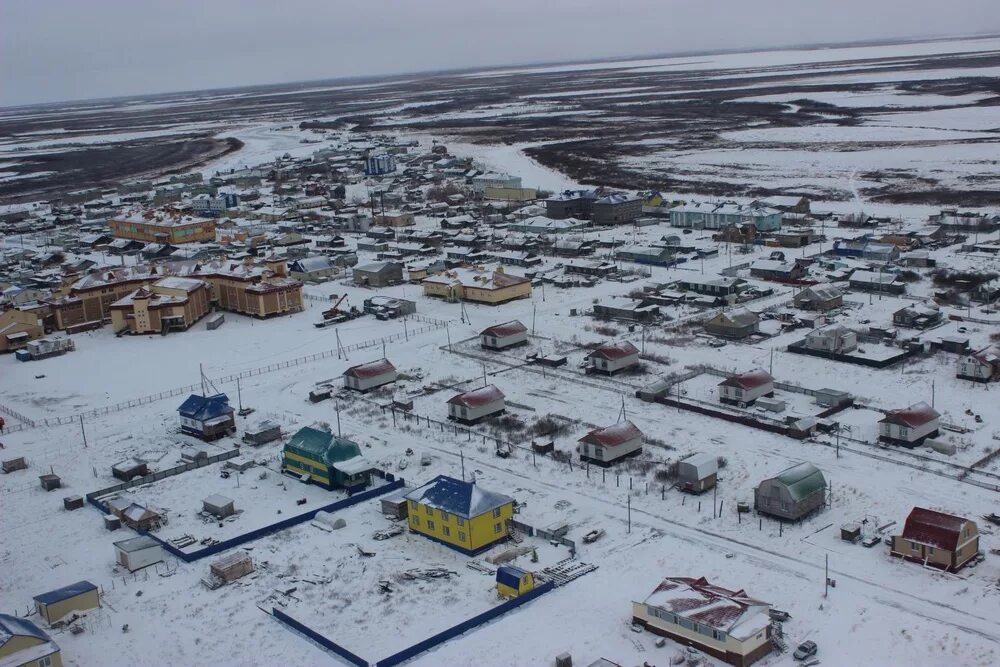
(937, 539)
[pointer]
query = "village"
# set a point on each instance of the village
(378, 403)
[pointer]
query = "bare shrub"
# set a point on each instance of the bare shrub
(606, 330)
(667, 473)
(722, 462)
(656, 442)
(549, 425)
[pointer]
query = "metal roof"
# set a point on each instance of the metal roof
(613, 435)
(506, 329)
(464, 499)
(615, 351)
(371, 369)
(478, 397)
(12, 626)
(322, 446)
(706, 604)
(137, 543)
(66, 592)
(749, 380)
(802, 480)
(932, 528)
(916, 415)
(202, 408)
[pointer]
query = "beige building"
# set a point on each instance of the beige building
(55, 605)
(725, 624)
(24, 644)
(937, 539)
(394, 219)
(170, 304)
(18, 328)
(477, 286)
(163, 227)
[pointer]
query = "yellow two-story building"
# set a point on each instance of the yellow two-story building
(458, 514)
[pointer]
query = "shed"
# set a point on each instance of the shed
(395, 506)
(11, 465)
(829, 398)
(697, 472)
(513, 581)
(55, 605)
(214, 321)
(140, 518)
(232, 566)
(262, 433)
(112, 522)
(218, 505)
(320, 394)
(50, 482)
(73, 502)
(127, 470)
(793, 493)
(770, 404)
(136, 553)
(850, 532)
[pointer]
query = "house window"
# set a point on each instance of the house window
(930, 550)
(446, 531)
(497, 528)
(416, 520)
(461, 521)
(496, 513)
(461, 536)
(430, 525)
(429, 510)
(444, 515)
(914, 546)
(45, 662)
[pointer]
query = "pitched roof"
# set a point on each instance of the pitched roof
(455, 496)
(12, 626)
(65, 593)
(749, 380)
(611, 436)
(615, 350)
(739, 317)
(802, 480)
(730, 611)
(916, 415)
(371, 369)
(935, 529)
(478, 397)
(506, 329)
(322, 446)
(203, 408)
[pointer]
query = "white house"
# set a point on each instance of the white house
(502, 336)
(613, 357)
(728, 625)
(745, 388)
(909, 426)
(365, 377)
(604, 446)
(835, 338)
(476, 405)
(982, 366)
(136, 553)
(491, 180)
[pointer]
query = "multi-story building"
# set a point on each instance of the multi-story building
(616, 209)
(718, 215)
(169, 304)
(163, 227)
(491, 180)
(461, 515)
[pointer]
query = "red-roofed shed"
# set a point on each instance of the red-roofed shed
(365, 377)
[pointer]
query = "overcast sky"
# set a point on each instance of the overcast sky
(54, 50)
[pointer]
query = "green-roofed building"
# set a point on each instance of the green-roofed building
(793, 493)
(322, 458)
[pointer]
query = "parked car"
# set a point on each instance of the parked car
(805, 650)
(871, 541)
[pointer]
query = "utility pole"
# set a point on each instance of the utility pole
(826, 586)
(484, 374)
(448, 332)
(630, 513)
(533, 319)
(462, 455)
(201, 372)
(83, 432)
(770, 368)
(239, 394)
(338, 419)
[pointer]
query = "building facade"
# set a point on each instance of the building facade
(459, 514)
(163, 227)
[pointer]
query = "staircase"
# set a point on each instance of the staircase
(778, 637)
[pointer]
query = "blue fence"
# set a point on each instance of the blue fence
(464, 626)
(318, 638)
(190, 557)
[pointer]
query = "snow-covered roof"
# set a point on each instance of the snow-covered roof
(506, 329)
(916, 415)
(615, 350)
(698, 600)
(136, 544)
(611, 436)
(933, 528)
(353, 466)
(464, 499)
(371, 369)
(478, 397)
(749, 380)
(66, 592)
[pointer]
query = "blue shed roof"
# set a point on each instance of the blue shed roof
(203, 408)
(508, 575)
(65, 593)
(12, 626)
(463, 499)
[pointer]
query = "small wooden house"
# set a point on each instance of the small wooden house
(792, 494)
(910, 426)
(374, 374)
(735, 323)
(937, 539)
(232, 566)
(50, 482)
(613, 358)
(394, 506)
(604, 446)
(262, 432)
(136, 553)
(127, 470)
(55, 605)
(474, 406)
(513, 581)
(745, 388)
(218, 506)
(822, 297)
(137, 517)
(981, 366)
(697, 473)
(24, 644)
(503, 336)
(12, 465)
(207, 417)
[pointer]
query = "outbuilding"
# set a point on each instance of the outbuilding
(138, 552)
(910, 426)
(735, 323)
(503, 336)
(378, 274)
(232, 566)
(745, 388)
(55, 605)
(697, 473)
(128, 470)
(613, 358)
(937, 539)
(473, 406)
(792, 494)
(604, 446)
(371, 375)
(218, 506)
(262, 432)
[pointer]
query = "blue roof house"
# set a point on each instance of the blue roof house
(54, 605)
(24, 643)
(207, 417)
